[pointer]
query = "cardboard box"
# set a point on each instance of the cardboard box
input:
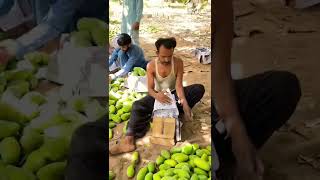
(163, 131)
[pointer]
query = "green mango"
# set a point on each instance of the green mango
(19, 89)
(31, 140)
(88, 24)
(10, 150)
(142, 173)
(116, 119)
(202, 177)
(149, 176)
(125, 116)
(199, 152)
(53, 171)
(112, 102)
(78, 103)
(112, 175)
(170, 162)
(35, 98)
(151, 167)
(119, 113)
(112, 125)
(194, 177)
(165, 154)
(199, 171)
(175, 150)
(35, 161)
(135, 157)
(202, 164)
(205, 157)
(180, 157)
(8, 128)
(187, 149)
(99, 36)
(112, 109)
(134, 73)
(110, 133)
(119, 105)
(160, 160)
(23, 75)
(164, 167)
(156, 176)
(55, 149)
(130, 171)
(81, 39)
(16, 173)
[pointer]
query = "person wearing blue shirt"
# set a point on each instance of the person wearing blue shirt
(130, 56)
(52, 18)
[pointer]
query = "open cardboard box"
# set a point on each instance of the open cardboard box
(163, 131)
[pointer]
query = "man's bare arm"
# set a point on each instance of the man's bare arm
(223, 89)
(179, 81)
(250, 166)
(150, 78)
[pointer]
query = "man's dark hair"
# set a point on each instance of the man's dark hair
(123, 39)
(166, 42)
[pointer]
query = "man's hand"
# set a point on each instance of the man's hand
(249, 165)
(163, 98)
(187, 110)
(5, 56)
(135, 26)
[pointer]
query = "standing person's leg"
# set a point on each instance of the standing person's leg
(135, 36)
(88, 152)
(266, 102)
(137, 126)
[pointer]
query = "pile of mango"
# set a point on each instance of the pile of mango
(180, 163)
(138, 71)
(120, 104)
(36, 129)
(91, 32)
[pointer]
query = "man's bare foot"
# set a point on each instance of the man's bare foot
(126, 145)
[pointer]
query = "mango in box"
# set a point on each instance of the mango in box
(88, 24)
(99, 36)
(81, 39)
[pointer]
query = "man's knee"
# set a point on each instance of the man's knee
(288, 85)
(199, 88)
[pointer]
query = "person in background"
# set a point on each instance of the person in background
(131, 17)
(130, 56)
(51, 19)
(164, 72)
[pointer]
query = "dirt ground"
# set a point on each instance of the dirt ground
(271, 36)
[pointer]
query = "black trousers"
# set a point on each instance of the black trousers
(88, 152)
(266, 102)
(142, 109)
